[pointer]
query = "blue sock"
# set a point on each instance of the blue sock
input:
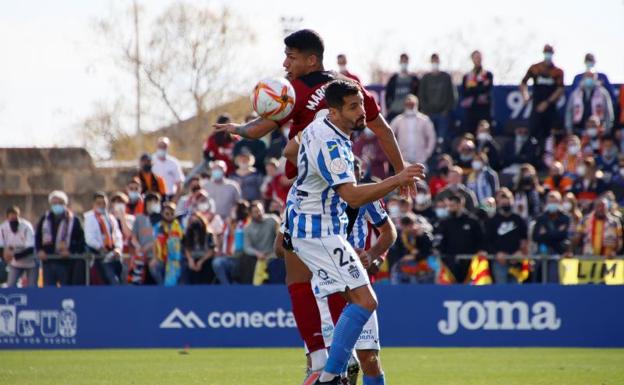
(381, 380)
(346, 333)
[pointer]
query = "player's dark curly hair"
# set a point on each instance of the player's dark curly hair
(306, 40)
(337, 90)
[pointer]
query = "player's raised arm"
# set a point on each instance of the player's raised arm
(358, 195)
(254, 129)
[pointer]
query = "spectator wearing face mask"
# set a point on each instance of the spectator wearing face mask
(608, 161)
(17, 242)
(507, 235)
(550, 234)
(589, 183)
(423, 205)
(487, 145)
(573, 156)
(199, 249)
(143, 238)
(341, 61)
(135, 205)
(168, 167)
(59, 232)
(465, 153)
(459, 233)
(220, 146)
(590, 137)
(414, 132)
(557, 180)
(547, 89)
(150, 182)
(589, 99)
(204, 206)
(439, 179)
(185, 204)
(590, 63)
(438, 96)
(599, 232)
(523, 149)
(570, 207)
(166, 266)
(104, 239)
(374, 160)
(247, 176)
(224, 191)
(276, 184)
(476, 94)
(456, 187)
(483, 181)
(399, 86)
(527, 191)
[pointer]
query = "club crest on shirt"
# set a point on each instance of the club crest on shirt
(338, 166)
(354, 271)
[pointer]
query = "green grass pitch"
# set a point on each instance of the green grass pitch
(403, 366)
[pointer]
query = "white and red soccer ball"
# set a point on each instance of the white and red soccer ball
(273, 98)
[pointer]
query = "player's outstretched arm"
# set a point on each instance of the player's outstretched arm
(358, 195)
(254, 129)
(387, 237)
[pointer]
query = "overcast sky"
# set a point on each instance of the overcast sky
(51, 72)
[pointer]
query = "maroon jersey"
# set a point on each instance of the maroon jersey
(310, 99)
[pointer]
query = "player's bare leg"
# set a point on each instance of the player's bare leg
(371, 366)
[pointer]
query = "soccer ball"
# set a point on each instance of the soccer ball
(273, 98)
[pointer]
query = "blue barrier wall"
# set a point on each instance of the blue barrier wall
(237, 316)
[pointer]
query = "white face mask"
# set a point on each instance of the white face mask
(435, 66)
(574, 149)
(592, 132)
(567, 206)
(483, 136)
(342, 68)
(161, 153)
(394, 211)
(403, 67)
(119, 207)
(154, 208)
(422, 199)
(477, 165)
(581, 170)
(203, 207)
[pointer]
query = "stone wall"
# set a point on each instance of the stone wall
(27, 175)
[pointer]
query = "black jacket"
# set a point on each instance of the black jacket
(552, 232)
(391, 87)
(529, 153)
(462, 234)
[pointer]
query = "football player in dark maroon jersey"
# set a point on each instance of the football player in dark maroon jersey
(304, 68)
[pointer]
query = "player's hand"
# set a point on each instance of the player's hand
(42, 255)
(374, 267)
(231, 128)
(410, 175)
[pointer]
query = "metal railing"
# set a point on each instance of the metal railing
(542, 259)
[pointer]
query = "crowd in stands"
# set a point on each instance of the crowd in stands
(553, 187)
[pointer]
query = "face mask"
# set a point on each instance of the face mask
(552, 208)
(14, 225)
(101, 210)
(203, 207)
(342, 68)
(394, 211)
(567, 206)
(161, 153)
(120, 207)
(441, 212)
(548, 56)
(435, 66)
(217, 174)
(147, 168)
(422, 199)
(581, 170)
(505, 209)
(57, 209)
(573, 150)
(403, 67)
(522, 138)
(589, 65)
(589, 83)
(466, 157)
(477, 165)
(592, 132)
(134, 196)
(483, 136)
(154, 208)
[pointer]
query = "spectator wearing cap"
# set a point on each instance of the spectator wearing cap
(486, 144)
(590, 63)
(483, 181)
(551, 235)
(547, 89)
(276, 183)
(150, 182)
(255, 147)
(438, 96)
(135, 205)
(476, 94)
(223, 190)
(59, 233)
(414, 132)
(166, 266)
(168, 167)
(400, 85)
(247, 176)
(455, 186)
(589, 184)
(589, 98)
(600, 233)
(104, 239)
(220, 146)
(17, 242)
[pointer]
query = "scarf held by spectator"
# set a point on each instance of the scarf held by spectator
(63, 230)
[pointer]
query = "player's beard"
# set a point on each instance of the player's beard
(359, 124)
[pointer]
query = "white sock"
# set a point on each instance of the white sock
(326, 377)
(318, 359)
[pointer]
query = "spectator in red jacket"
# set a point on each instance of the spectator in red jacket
(220, 146)
(276, 184)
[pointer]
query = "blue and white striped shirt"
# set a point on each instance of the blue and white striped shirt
(325, 160)
(372, 213)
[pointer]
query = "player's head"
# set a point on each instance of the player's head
(304, 53)
(346, 105)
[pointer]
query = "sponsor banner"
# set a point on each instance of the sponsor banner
(247, 316)
(573, 271)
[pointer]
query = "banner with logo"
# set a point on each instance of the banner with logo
(247, 316)
(609, 271)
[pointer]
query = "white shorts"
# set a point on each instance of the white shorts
(369, 338)
(335, 266)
